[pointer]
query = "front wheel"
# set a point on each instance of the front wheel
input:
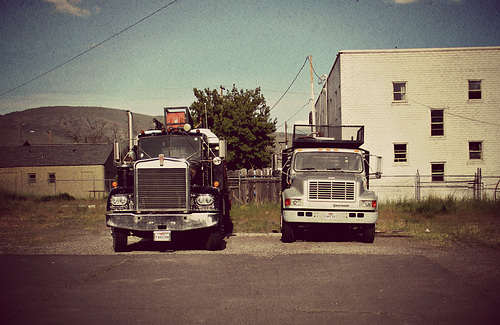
(287, 232)
(214, 241)
(119, 240)
(368, 233)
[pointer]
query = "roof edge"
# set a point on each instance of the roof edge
(436, 49)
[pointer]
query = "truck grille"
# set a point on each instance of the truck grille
(161, 189)
(327, 190)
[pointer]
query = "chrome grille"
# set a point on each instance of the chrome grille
(328, 190)
(161, 189)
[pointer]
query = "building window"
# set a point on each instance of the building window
(31, 178)
(437, 172)
(475, 150)
(437, 122)
(475, 89)
(400, 153)
(52, 178)
(399, 91)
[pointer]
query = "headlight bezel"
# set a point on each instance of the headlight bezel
(121, 202)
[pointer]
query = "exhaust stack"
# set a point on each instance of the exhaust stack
(130, 130)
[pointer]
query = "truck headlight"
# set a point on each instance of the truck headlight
(204, 199)
(204, 202)
(120, 202)
(295, 202)
(368, 203)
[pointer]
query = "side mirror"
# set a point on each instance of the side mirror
(378, 172)
(222, 148)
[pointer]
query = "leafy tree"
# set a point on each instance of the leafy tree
(243, 119)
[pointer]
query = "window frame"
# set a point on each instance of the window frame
(403, 93)
(31, 178)
(433, 123)
(51, 178)
(480, 151)
(474, 91)
(400, 160)
(438, 175)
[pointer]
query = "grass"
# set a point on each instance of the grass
(34, 220)
(439, 222)
(443, 222)
(256, 218)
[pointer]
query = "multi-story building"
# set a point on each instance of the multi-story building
(432, 114)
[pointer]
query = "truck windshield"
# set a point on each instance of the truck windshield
(323, 160)
(171, 146)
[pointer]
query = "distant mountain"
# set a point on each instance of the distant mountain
(61, 124)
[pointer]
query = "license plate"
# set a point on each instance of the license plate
(162, 235)
(330, 215)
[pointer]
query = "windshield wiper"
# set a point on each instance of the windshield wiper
(191, 156)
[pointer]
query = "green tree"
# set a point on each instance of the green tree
(243, 119)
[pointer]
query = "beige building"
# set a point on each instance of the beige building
(81, 170)
(432, 114)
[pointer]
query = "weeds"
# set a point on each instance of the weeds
(443, 222)
(260, 218)
(439, 222)
(32, 220)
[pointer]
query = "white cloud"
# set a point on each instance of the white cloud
(69, 7)
(412, 1)
(405, 1)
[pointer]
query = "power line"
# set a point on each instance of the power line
(300, 70)
(88, 50)
(295, 113)
(456, 115)
(317, 76)
(471, 119)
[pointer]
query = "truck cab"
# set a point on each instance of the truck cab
(172, 180)
(325, 182)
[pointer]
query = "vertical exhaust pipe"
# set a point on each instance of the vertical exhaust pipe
(130, 130)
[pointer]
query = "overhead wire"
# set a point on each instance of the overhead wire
(456, 115)
(89, 49)
(294, 113)
(293, 81)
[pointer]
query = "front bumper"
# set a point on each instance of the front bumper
(159, 221)
(330, 216)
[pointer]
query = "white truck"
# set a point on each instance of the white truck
(325, 182)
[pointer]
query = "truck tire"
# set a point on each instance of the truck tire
(287, 232)
(368, 234)
(214, 241)
(119, 240)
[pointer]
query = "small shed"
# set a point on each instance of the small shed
(81, 170)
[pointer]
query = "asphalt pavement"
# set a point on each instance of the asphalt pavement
(254, 280)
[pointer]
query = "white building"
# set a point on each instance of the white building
(435, 112)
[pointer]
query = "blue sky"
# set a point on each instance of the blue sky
(204, 44)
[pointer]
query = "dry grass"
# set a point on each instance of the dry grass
(256, 218)
(443, 222)
(439, 222)
(31, 221)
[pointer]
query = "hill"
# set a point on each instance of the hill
(68, 124)
(63, 124)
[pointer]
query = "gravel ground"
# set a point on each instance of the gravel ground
(476, 264)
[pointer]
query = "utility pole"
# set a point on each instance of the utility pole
(313, 108)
